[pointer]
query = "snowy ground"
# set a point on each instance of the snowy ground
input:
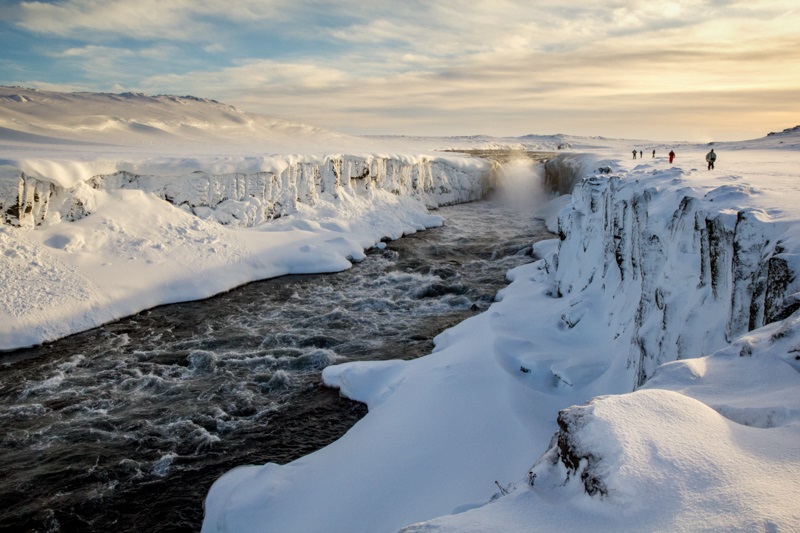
(657, 261)
(708, 443)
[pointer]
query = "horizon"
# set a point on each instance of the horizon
(409, 135)
(697, 70)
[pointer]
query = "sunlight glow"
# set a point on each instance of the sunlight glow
(454, 67)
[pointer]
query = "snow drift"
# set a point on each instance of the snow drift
(655, 265)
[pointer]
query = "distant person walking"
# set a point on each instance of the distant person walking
(634, 154)
(710, 158)
(671, 156)
(654, 153)
(641, 153)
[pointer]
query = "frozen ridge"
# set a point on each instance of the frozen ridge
(38, 197)
(85, 243)
(668, 303)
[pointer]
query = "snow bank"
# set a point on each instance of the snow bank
(79, 256)
(707, 444)
(653, 262)
(670, 253)
(241, 198)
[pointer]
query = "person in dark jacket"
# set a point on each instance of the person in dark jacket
(671, 156)
(710, 158)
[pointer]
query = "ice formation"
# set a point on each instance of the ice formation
(250, 199)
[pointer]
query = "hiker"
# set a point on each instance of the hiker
(710, 158)
(641, 153)
(654, 153)
(671, 156)
(634, 154)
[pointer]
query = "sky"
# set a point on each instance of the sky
(695, 70)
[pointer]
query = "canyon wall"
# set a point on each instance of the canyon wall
(679, 272)
(249, 199)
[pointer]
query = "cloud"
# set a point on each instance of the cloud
(114, 65)
(444, 66)
(96, 53)
(144, 18)
(181, 20)
(45, 86)
(266, 76)
(628, 91)
(214, 48)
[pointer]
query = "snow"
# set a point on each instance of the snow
(136, 251)
(642, 375)
(657, 262)
(90, 238)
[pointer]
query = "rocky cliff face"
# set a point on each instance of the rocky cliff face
(249, 199)
(563, 172)
(674, 271)
(682, 276)
(28, 201)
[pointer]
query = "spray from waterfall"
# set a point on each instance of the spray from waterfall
(520, 185)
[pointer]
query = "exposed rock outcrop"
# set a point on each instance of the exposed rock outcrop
(563, 172)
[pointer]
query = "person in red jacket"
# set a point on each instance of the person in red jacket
(671, 156)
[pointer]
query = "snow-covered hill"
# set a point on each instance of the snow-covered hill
(787, 139)
(163, 124)
(534, 143)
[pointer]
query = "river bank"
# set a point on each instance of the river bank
(125, 427)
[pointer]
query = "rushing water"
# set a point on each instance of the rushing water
(125, 427)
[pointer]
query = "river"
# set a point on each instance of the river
(125, 427)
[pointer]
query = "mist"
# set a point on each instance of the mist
(520, 185)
